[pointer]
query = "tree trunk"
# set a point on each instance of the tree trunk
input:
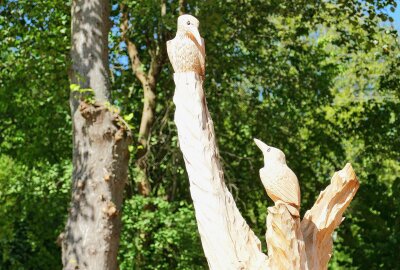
(100, 146)
(146, 124)
(227, 240)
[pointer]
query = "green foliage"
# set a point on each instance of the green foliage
(370, 237)
(159, 235)
(33, 206)
(85, 94)
(35, 132)
(34, 81)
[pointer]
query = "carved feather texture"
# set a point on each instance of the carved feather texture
(186, 51)
(281, 183)
(279, 180)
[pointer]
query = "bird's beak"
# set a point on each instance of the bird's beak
(194, 34)
(263, 147)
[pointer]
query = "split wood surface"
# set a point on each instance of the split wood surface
(227, 240)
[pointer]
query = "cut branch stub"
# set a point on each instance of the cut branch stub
(325, 216)
(285, 241)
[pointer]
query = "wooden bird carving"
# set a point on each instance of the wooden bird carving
(186, 51)
(278, 179)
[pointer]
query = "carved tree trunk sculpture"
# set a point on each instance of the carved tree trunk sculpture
(227, 240)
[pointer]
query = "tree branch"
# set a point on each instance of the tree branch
(325, 216)
(137, 66)
(163, 8)
(182, 4)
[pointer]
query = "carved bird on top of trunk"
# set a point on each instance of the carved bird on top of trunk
(187, 50)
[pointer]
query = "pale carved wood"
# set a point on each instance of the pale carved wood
(308, 245)
(227, 240)
(285, 240)
(325, 216)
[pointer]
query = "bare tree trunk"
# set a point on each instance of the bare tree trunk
(146, 123)
(100, 146)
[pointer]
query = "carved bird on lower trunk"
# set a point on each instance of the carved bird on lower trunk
(278, 179)
(186, 51)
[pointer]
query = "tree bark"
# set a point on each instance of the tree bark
(100, 146)
(227, 240)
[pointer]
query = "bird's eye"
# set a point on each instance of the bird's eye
(188, 23)
(269, 149)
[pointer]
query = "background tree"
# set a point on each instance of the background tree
(100, 146)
